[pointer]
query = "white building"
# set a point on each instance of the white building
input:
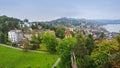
(15, 35)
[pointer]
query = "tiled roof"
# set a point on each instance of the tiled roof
(68, 33)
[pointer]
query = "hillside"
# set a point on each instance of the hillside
(12, 58)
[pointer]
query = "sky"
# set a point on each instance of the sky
(46, 10)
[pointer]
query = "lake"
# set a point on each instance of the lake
(112, 27)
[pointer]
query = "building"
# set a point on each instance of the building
(68, 34)
(15, 35)
(28, 33)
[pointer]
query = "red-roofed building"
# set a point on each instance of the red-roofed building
(68, 34)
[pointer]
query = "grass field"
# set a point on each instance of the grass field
(12, 58)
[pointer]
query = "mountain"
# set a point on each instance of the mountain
(68, 21)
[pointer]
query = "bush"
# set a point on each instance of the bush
(8, 42)
(34, 47)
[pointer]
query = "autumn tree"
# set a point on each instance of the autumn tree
(102, 54)
(26, 45)
(116, 59)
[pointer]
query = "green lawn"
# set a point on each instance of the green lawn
(12, 58)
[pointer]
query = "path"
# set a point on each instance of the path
(73, 59)
(21, 49)
(56, 63)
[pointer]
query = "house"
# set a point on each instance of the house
(28, 33)
(68, 34)
(15, 35)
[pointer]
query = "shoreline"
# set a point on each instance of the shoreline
(112, 28)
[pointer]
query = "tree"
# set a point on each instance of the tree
(51, 42)
(25, 46)
(64, 49)
(89, 43)
(102, 54)
(35, 41)
(81, 51)
(26, 20)
(72, 33)
(116, 59)
(118, 40)
(3, 38)
(102, 36)
(60, 32)
(80, 48)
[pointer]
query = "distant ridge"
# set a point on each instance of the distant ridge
(75, 21)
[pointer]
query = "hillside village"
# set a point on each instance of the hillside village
(59, 33)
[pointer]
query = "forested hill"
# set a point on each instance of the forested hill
(8, 23)
(68, 21)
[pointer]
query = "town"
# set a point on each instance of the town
(18, 37)
(70, 43)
